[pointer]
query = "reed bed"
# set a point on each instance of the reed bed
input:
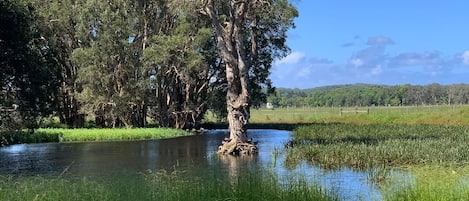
(114, 134)
(363, 146)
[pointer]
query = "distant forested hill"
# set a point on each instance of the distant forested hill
(372, 95)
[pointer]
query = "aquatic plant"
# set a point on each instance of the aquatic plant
(364, 146)
(161, 185)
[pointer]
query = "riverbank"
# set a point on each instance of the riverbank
(162, 185)
(43, 135)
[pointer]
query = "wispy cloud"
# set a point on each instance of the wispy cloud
(293, 58)
(369, 57)
(379, 40)
(417, 59)
(347, 45)
(465, 57)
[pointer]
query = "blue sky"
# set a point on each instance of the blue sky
(377, 42)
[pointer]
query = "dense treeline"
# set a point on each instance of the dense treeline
(372, 95)
(121, 63)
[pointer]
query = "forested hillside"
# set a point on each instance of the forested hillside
(372, 95)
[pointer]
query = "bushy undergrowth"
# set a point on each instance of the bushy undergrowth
(18, 137)
(367, 145)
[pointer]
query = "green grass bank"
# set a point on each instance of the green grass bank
(112, 134)
(42, 135)
(161, 185)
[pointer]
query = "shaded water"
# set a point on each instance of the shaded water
(190, 152)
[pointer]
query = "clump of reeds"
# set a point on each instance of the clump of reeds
(369, 145)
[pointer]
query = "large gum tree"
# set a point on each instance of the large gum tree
(241, 28)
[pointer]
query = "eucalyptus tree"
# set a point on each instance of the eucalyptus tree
(178, 61)
(240, 27)
(61, 19)
(29, 71)
(109, 65)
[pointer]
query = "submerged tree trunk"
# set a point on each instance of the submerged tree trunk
(232, 51)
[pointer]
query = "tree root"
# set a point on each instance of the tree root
(235, 148)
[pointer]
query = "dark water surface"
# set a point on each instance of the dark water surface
(199, 151)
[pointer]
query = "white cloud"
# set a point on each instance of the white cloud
(377, 70)
(356, 62)
(465, 57)
(303, 73)
(293, 58)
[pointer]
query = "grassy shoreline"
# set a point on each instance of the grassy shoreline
(112, 134)
(44, 135)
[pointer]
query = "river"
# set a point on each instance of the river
(177, 153)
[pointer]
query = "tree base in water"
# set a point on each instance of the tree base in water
(235, 148)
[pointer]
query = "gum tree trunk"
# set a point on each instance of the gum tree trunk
(232, 50)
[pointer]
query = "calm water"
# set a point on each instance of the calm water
(191, 152)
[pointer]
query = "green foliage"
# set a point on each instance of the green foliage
(372, 95)
(30, 74)
(19, 137)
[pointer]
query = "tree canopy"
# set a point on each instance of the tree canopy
(29, 77)
(127, 63)
(372, 95)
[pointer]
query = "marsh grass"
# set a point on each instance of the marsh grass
(432, 183)
(114, 134)
(364, 146)
(162, 185)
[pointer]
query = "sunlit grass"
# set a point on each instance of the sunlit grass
(367, 145)
(162, 185)
(440, 115)
(75, 135)
(432, 183)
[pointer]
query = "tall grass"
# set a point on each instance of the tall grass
(432, 183)
(74, 135)
(161, 185)
(369, 145)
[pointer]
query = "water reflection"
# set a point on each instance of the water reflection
(192, 152)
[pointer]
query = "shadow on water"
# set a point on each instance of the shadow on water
(182, 153)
